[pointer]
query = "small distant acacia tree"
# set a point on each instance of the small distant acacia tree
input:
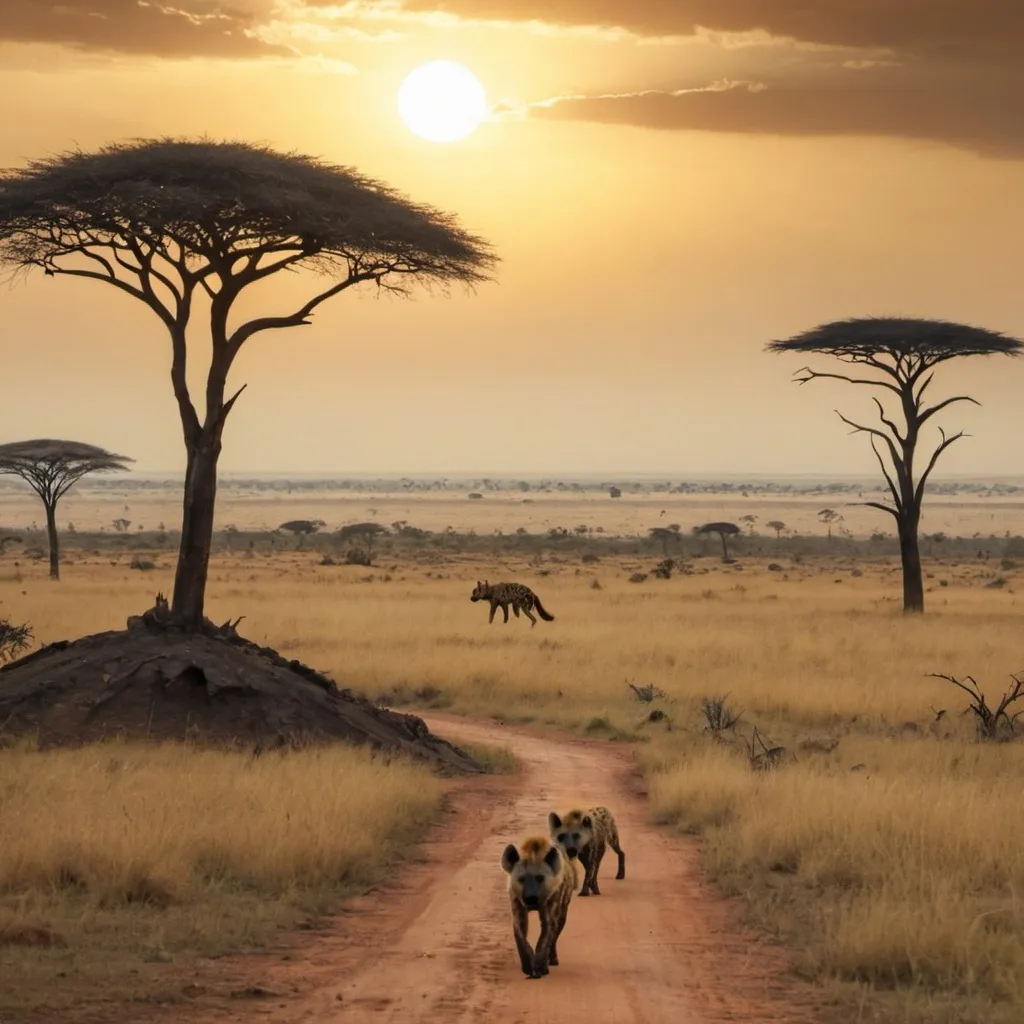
(666, 535)
(51, 468)
(829, 516)
(177, 224)
(778, 526)
(302, 527)
(723, 530)
(364, 533)
(900, 356)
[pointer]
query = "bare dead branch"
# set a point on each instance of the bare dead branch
(893, 490)
(877, 504)
(806, 374)
(899, 464)
(230, 403)
(987, 719)
(926, 414)
(888, 422)
(945, 443)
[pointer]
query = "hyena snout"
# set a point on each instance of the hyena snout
(531, 899)
(572, 852)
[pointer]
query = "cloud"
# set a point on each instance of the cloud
(950, 28)
(976, 115)
(175, 28)
(949, 71)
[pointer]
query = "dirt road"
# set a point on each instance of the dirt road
(436, 945)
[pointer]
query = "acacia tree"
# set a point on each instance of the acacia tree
(899, 355)
(723, 530)
(665, 535)
(366, 533)
(51, 468)
(186, 227)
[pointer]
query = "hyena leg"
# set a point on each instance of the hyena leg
(504, 608)
(613, 842)
(598, 857)
(545, 944)
(515, 610)
(490, 618)
(586, 860)
(553, 959)
(519, 927)
(529, 615)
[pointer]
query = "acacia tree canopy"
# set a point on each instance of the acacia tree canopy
(899, 355)
(51, 468)
(723, 530)
(174, 223)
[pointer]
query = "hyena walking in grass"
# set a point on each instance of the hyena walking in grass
(540, 879)
(586, 835)
(502, 595)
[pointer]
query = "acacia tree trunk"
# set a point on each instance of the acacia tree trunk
(51, 532)
(196, 530)
(910, 555)
(725, 548)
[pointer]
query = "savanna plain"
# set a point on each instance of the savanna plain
(881, 845)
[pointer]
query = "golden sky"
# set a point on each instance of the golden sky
(669, 184)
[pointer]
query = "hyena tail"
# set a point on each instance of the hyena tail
(541, 611)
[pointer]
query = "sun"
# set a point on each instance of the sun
(442, 101)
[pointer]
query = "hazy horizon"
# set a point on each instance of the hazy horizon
(669, 186)
(532, 476)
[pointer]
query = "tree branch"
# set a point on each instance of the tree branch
(301, 316)
(888, 422)
(877, 504)
(810, 375)
(928, 413)
(226, 408)
(946, 442)
(897, 500)
(923, 388)
(897, 462)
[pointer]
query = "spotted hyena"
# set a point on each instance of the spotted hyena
(540, 878)
(502, 595)
(586, 835)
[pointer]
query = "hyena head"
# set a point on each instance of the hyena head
(481, 591)
(571, 833)
(534, 872)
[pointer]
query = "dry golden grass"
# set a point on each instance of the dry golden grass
(907, 873)
(134, 854)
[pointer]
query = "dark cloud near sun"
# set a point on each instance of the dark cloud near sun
(176, 28)
(982, 117)
(949, 71)
(920, 27)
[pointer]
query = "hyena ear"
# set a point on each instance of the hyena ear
(586, 822)
(552, 858)
(509, 857)
(554, 821)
